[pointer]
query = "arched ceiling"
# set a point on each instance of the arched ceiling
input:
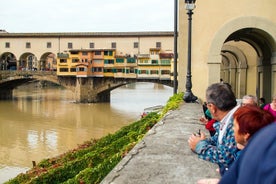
(258, 39)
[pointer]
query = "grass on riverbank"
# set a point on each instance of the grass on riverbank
(94, 159)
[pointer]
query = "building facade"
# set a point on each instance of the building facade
(232, 40)
(157, 64)
(38, 51)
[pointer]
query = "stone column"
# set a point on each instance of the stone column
(273, 73)
(87, 92)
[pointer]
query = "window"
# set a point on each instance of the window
(63, 60)
(136, 45)
(131, 60)
(154, 61)
(131, 70)
(97, 69)
(28, 45)
(143, 72)
(108, 70)
(113, 45)
(120, 60)
(92, 45)
(165, 72)
(108, 61)
(62, 55)
(7, 45)
(84, 53)
(49, 45)
(75, 60)
(154, 72)
(73, 69)
(144, 61)
(165, 62)
(70, 45)
(98, 53)
(81, 69)
(63, 69)
(108, 53)
(158, 44)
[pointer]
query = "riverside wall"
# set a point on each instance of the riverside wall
(164, 156)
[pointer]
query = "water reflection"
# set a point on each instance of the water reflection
(41, 123)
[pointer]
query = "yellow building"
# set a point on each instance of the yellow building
(105, 63)
(155, 65)
(232, 40)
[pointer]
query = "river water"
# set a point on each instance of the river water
(44, 122)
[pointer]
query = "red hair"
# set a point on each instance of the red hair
(251, 118)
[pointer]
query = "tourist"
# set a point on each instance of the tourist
(221, 147)
(262, 102)
(249, 99)
(271, 107)
(208, 122)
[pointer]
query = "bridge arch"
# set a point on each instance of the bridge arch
(97, 89)
(85, 89)
(9, 80)
(27, 61)
(258, 34)
(48, 61)
(8, 61)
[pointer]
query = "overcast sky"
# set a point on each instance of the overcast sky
(86, 15)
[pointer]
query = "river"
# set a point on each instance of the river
(44, 122)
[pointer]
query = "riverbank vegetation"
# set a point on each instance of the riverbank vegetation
(94, 159)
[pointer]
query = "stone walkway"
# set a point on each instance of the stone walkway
(164, 156)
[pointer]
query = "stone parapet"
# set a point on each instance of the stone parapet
(164, 156)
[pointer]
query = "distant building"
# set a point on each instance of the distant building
(107, 63)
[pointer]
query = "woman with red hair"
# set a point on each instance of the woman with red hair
(247, 121)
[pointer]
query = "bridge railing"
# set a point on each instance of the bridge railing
(6, 74)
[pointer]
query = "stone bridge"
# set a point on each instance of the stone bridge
(86, 90)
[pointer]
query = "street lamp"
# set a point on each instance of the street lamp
(175, 82)
(188, 96)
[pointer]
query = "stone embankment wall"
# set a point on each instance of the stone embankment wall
(164, 156)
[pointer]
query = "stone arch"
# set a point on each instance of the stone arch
(260, 33)
(28, 61)
(235, 74)
(8, 61)
(48, 61)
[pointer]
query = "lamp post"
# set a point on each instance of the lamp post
(175, 82)
(188, 96)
